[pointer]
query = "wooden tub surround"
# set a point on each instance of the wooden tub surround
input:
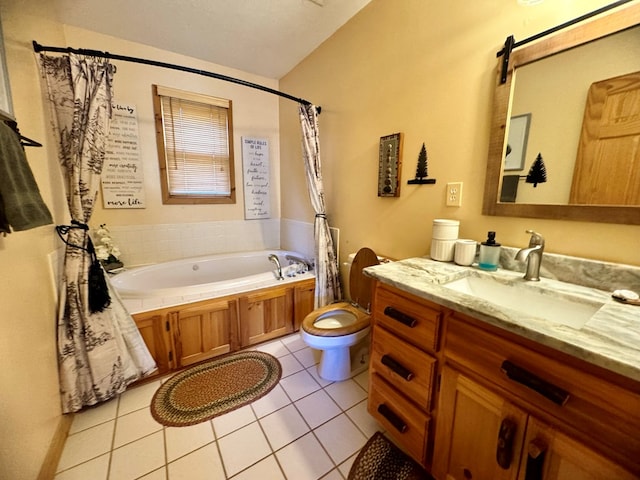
(181, 335)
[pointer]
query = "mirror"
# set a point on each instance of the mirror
(526, 122)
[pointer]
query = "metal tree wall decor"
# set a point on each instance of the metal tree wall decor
(421, 170)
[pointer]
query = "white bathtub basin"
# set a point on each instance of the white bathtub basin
(527, 299)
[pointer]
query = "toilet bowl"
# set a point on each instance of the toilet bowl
(334, 329)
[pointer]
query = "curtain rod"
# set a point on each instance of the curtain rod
(579, 19)
(97, 53)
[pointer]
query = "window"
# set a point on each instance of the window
(195, 147)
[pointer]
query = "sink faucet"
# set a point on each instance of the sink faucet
(274, 258)
(533, 256)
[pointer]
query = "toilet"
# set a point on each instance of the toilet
(334, 329)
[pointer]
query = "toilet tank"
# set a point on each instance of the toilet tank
(346, 271)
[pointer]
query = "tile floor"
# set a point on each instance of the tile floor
(305, 428)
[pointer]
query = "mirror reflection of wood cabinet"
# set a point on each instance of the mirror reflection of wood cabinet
(183, 335)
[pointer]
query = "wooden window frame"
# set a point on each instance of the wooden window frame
(194, 199)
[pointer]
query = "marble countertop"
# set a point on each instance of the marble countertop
(609, 339)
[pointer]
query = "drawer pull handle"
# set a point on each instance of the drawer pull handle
(504, 452)
(400, 317)
(394, 419)
(548, 390)
(535, 459)
(397, 368)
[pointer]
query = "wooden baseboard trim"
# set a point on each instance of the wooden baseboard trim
(50, 463)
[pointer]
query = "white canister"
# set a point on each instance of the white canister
(445, 229)
(465, 251)
(442, 250)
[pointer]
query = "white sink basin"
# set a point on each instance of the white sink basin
(529, 301)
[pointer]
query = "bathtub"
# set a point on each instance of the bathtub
(213, 275)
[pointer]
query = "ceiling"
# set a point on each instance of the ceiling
(265, 37)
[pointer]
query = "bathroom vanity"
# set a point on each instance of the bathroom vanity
(475, 390)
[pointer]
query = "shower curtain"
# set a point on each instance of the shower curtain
(99, 352)
(327, 273)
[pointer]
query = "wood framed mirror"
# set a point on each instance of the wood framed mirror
(570, 41)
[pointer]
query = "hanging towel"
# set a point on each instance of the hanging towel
(21, 206)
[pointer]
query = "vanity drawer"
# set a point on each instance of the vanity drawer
(551, 385)
(407, 368)
(401, 419)
(411, 318)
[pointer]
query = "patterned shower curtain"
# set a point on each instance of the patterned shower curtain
(327, 272)
(99, 352)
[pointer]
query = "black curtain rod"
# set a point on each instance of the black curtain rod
(97, 53)
(586, 16)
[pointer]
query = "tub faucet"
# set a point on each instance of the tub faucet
(293, 258)
(274, 258)
(533, 256)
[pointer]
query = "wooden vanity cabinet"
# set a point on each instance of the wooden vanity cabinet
(403, 368)
(512, 409)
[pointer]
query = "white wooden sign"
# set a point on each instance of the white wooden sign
(255, 170)
(122, 176)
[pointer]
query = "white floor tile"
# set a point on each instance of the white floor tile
(304, 459)
(138, 458)
(95, 469)
(333, 475)
(283, 427)
(233, 420)
(294, 342)
(362, 379)
(243, 448)
(275, 348)
(341, 438)
(160, 474)
(86, 445)
(307, 357)
(299, 385)
(182, 440)
(345, 467)
(346, 394)
(138, 397)
(202, 464)
(318, 408)
(133, 426)
(290, 365)
(271, 402)
(266, 469)
(93, 416)
(316, 376)
(363, 420)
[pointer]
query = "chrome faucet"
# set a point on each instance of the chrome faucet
(295, 259)
(533, 256)
(274, 258)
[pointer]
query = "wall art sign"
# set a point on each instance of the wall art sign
(390, 165)
(517, 142)
(255, 171)
(122, 175)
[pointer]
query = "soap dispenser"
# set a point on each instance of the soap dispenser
(489, 253)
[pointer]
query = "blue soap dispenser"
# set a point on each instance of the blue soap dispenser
(489, 253)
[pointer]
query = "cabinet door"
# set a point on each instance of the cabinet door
(303, 301)
(266, 315)
(204, 331)
(551, 455)
(479, 434)
(154, 329)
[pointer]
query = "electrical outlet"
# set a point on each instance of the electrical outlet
(454, 194)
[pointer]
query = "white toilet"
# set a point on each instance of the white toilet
(335, 328)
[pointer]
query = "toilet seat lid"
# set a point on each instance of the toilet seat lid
(361, 286)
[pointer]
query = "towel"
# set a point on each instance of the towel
(21, 206)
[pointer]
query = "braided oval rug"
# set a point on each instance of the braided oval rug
(380, 459)
(215, 387)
